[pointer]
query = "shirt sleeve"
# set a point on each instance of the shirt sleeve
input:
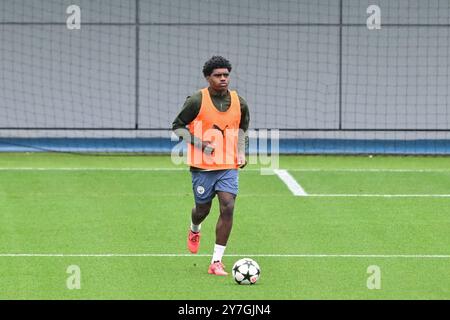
(245, 115)
(243, 141)
(188, 113)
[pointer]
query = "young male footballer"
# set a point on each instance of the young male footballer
(214, 123)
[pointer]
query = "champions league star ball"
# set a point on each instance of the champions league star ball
(246, 271)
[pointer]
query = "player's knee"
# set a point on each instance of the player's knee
(227, 208)
(203, 209)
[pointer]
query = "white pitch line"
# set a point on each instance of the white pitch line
(93, 169)
(371, 170)
(384, 195)
(107, 255)
(244, 170)
(291, 183)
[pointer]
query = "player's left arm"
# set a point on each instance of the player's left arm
(243, 133)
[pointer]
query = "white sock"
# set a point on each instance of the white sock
(195, 227)
(218, 253)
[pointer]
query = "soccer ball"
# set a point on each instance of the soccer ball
(246, 271)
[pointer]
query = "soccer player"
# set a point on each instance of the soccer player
(214, 122)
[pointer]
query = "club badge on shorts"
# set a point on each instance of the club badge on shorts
(200, 190)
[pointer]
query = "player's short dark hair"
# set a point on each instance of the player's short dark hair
(214, 63)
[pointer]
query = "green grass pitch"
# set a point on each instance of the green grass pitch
(123, 221)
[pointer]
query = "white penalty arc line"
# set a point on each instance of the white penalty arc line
(291, 183)
(162, 255)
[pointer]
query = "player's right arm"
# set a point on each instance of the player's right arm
(188, 113)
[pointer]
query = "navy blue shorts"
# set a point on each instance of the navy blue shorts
(205, 184)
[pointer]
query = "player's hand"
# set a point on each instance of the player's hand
(242, 162)
(208, 147)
